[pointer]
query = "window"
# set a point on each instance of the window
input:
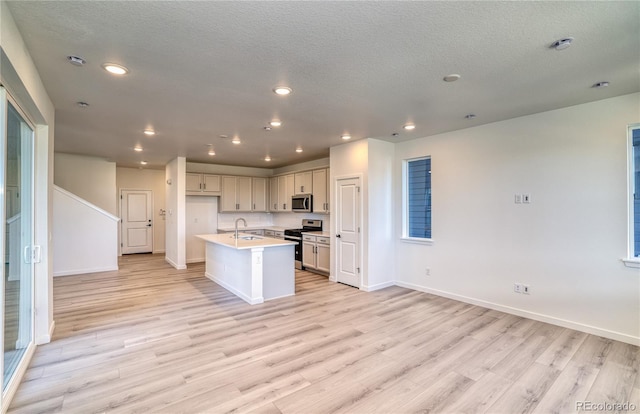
(634, 190)
(417, 198)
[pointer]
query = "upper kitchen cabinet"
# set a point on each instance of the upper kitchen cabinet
(273, 194)
(303, 182)
(202, 184)
(236, 194)
(286, 189)
(259, 194)
(321, 191)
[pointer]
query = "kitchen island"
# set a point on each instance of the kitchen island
(253, 268)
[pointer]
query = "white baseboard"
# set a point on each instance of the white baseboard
(82, 271)
(528, 314)
(196, 260)
(45, 339)
(378, 286)
(159, 251)
(233, 290)
(279, 297)
(174, 264)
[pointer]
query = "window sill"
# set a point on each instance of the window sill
(416, 240)
(632, 262)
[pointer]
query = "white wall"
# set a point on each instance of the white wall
(567, 244)
(145, 179)
(350, 160)
(175, 219)
(308, 165)
(379, 229)
(21, 78)
(228, 170)
(84, 237)
(90, 178)
(201, 218)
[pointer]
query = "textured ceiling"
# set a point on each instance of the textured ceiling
(199, 70)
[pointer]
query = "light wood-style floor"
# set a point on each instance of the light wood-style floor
(150, 338)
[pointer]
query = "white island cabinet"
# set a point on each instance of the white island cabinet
(251, 267)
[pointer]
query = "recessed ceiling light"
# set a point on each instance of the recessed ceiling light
(211, 152)
(235, 140)
(82, 104)
(600, 85)
(143, 162)
(115, 69)
(346, 137)
(561, 44)
(451, 78)
(149, 132)
(267, 158)
(275, 123)
(470, 116)
(282, 90)
(76, 60)
(138, 149)
(298, 149)
(409, 127)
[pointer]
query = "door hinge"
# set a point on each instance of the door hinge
(358, 188)
(120, 196)
(358, 269)
(358, 229)
(121, 245)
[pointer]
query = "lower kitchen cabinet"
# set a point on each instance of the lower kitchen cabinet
(316, 253)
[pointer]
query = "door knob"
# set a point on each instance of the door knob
(338, 236)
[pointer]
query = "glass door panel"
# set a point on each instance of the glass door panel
(18, 269)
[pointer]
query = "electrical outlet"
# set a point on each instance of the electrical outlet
(525, 289)
(526, 198)
(517, 287)
(427, 271)
(518, 198)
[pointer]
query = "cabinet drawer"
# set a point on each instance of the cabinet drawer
(279, 234)
(255, 232)
(308, 238)
(269, 233)
(323, 240)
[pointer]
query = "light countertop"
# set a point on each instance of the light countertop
(226, 239)
(318, 233)
(274, 228)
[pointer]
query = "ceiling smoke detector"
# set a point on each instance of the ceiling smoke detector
(470, 116)
(451, 78)
(561, 44)
(76, 60)
(600, 85)
(82, 104)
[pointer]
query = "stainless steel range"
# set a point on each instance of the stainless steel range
(296, 236)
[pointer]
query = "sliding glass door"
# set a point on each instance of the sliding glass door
(16, 175)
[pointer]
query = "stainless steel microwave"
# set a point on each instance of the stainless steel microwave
(301, 203)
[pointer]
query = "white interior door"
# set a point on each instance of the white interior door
(136, 210)
(348, 231)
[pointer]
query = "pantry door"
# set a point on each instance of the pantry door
(348, 231)
(136, 210)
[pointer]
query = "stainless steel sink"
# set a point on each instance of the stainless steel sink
(248, 237)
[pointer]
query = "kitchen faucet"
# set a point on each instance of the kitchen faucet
(245, 224)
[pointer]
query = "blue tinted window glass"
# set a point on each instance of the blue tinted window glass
(419, 198)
